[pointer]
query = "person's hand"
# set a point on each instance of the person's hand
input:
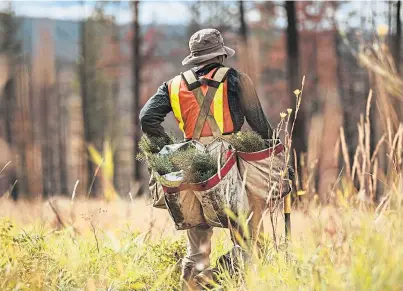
(286, 187)
(291, 173)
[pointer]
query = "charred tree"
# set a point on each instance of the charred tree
(14, 122)
(194, 24)
(395, 40)
(136, 69)
(246, 60)
(398, 35)
(294, 80)
(84, 91)
(243, 29)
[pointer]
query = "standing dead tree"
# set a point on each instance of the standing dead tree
(136, 69)
(98, 79)
(397, 40)
(293, 68)
(15, 138)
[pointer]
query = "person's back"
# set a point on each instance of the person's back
(208, 100)
(239, 100)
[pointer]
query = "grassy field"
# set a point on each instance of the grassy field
(95, 245)
(355, 243)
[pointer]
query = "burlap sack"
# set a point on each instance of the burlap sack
(265, 173)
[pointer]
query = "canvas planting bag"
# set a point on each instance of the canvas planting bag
(182, 204)
(157, 191)
(264, 172)
(207, 202)
(184, 208)
(223, 191)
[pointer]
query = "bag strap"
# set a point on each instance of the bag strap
(221, 74)
(205, 113)
(191, 80)
(218, 76)
(193, 84)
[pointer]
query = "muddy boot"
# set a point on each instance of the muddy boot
(187, 278)
(233, 261)
(207, 278)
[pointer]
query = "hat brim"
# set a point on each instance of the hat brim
(193, 60)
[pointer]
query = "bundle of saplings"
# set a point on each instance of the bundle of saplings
(149, 145)
(247, 141)
(203, 166)
(196, 166)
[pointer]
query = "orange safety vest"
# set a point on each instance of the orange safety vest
(200, 105)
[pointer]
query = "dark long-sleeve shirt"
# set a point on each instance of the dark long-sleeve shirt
(242, 99)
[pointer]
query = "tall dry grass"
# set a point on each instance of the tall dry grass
(367, 178)
(333, 248)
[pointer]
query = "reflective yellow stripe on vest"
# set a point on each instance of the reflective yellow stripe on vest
(219, 107)
(174, 96)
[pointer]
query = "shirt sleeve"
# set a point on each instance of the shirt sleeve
(154, 112)
(251, 107)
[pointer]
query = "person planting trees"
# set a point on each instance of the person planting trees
(209, 100)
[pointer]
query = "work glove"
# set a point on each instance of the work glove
(291, 173)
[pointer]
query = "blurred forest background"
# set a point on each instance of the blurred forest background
(68, 84)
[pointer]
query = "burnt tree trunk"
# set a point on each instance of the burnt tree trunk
(84, 70)
(398, 35)
(243, 30)
(395, 43)
(194, 25)
(136, 69)
(294, 80)
(244, 57)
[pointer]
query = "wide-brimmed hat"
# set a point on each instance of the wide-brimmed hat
(206, 44)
